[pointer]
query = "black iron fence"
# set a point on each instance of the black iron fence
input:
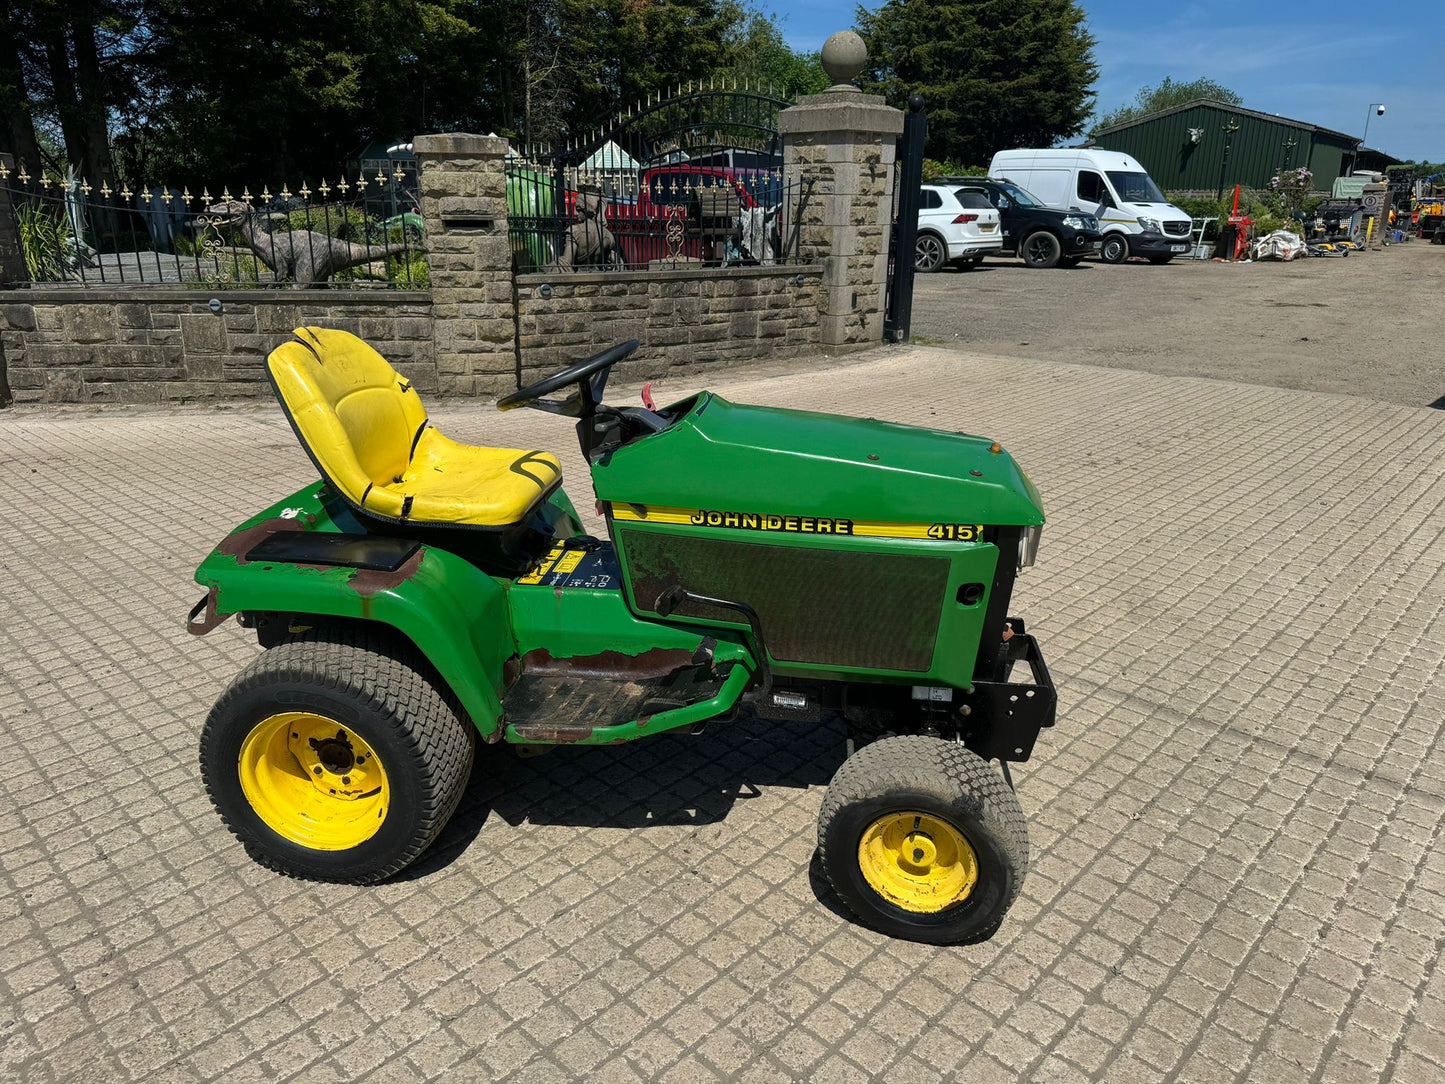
(663, 217)
(366, 233)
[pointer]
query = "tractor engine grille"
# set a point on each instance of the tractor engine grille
(836, 607)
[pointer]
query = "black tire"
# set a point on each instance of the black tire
(1160, 260)
(1115, 248)
(387, 699)
(930, 252)
(900, 776)
(1071, 261)
(1041, 249)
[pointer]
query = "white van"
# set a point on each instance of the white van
(1134, 216)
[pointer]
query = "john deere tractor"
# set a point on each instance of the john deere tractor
(424, 596)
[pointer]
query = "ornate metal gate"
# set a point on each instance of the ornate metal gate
(696, 176)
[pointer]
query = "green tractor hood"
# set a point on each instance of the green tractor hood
(729, 458)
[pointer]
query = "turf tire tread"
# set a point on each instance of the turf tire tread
(913, 762)
(384, 671)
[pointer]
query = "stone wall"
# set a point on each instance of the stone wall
(682, 318)
(480, 330)
(149, 345)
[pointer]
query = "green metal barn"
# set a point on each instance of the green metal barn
(1205, 145)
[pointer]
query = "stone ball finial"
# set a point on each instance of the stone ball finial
(844, 55)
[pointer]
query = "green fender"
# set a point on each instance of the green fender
(453, 613)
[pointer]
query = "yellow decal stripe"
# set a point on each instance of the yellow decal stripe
(765, 522)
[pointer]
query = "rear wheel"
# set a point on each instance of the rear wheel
(1041, 249)
(929, 252)
(1115, 249)
(336, 756)
(923, 840)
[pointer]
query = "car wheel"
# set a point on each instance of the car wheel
(929, 252)
(1041, 249)
(1115, 249)
(336, 756)
(1160, 259)
(923, 840)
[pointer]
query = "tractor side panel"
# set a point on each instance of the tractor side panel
(847, 606)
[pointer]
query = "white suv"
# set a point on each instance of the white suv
(955, 227)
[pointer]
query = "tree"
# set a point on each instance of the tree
(758, 55)
(192, 93)
(1167, 95)
(623, 50)
(994, 73)
(17, 136)
(73, 62)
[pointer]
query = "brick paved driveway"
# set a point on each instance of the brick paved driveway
(1236, 874)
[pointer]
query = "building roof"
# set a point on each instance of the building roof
(1276, 118)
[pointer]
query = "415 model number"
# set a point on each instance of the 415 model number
(955, 532)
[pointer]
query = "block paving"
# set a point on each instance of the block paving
(1236, 866)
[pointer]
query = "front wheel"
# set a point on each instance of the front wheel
(923, 840)
(1114, 250)
(336, 756)
(1041, 249)
(929, 252)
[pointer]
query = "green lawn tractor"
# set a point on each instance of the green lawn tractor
(427, 595)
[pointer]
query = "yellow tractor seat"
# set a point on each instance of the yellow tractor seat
(367, 432)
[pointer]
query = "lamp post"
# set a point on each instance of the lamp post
(1377, 109)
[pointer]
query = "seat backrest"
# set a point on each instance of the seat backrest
(357, 417)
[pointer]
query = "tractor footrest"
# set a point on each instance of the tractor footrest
(560, 707)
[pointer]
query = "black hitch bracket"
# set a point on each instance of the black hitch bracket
(1003, 718)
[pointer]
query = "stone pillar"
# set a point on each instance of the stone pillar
(843, 141)
(464, 204)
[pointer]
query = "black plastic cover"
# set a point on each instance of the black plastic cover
(378, 553)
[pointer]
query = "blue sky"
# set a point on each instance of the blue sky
(1323, 62)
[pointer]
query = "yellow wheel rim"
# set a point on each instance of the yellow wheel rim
(314, 781)
(918, 861)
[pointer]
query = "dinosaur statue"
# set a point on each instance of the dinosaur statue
(306, 257)
(588, 243)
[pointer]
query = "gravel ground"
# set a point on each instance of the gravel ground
(1367, 325)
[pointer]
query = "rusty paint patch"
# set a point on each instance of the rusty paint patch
(557, 733)
(210, 619)
(657, 663)
(371, 581)
(242, 542)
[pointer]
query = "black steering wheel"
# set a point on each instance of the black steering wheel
(590, 376)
